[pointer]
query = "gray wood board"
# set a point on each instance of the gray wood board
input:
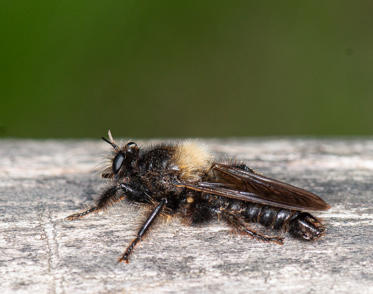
(41, 182)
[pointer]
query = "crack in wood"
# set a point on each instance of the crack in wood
(49, 233)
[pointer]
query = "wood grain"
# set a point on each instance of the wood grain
(41, 182)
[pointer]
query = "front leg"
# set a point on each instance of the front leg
(157, 210)
(107, 198)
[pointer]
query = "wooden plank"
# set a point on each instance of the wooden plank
(41, 182)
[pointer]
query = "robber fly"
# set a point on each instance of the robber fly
(184, 180)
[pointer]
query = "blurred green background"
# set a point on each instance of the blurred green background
(186, 68)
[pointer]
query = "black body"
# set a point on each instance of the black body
(234, 193)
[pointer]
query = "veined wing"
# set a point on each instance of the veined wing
(246, 185)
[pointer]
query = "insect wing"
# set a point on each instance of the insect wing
(236, 183)
(267, 189)
(218, 189)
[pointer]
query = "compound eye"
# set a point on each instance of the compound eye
(118, 162)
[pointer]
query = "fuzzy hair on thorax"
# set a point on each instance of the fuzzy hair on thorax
(193, 160)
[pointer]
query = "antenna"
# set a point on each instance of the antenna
(111, 141)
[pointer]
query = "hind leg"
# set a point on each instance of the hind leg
(241, 227)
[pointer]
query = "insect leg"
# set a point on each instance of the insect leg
(157, 210)
(106, 199)
(241, 227)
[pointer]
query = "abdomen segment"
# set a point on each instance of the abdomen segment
(300, 225)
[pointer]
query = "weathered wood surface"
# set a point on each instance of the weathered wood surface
(41, 182)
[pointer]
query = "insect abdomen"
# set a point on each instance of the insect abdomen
(268, 216)
(300, 225)
(306, 227)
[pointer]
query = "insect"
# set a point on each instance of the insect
(184, 180)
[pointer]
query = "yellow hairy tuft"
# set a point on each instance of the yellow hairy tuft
(192, 159)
